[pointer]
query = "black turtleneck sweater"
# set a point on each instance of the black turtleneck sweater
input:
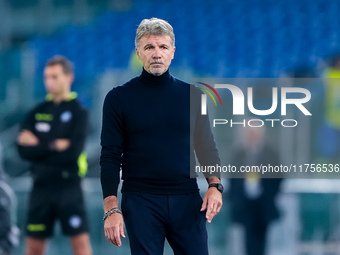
(151, 127)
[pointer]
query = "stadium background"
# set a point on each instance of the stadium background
(232, 38)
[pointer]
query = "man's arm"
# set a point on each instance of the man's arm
(114, 224)
(67, 150)
(110, 162)
(29, 146)
(207, 155)
(212, 200)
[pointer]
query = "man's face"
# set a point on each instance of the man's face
(56, 81)
(156, 53)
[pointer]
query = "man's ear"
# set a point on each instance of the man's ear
(71, 78)
(173, 53)
(137, 51)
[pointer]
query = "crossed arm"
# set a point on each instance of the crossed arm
(27, 138)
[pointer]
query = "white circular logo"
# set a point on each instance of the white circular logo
(66, 116)
(75, 221)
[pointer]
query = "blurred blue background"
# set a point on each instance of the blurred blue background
(229, 39)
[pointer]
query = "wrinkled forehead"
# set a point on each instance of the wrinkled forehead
(155, 40)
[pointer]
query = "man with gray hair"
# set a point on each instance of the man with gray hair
(151, 132)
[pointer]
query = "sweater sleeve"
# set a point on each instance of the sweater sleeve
(204, 142)
(112, 144)
(32, 153)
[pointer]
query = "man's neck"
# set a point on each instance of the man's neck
(61, 97)
(152, 80)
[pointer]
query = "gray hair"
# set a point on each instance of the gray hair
(154, 26)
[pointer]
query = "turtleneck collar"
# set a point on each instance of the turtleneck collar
(154, 80)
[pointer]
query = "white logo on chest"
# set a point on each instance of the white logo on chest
(42, 127)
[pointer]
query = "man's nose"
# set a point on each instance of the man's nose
(156, 53)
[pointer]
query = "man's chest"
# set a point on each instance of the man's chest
(155, 113)
(53, 122)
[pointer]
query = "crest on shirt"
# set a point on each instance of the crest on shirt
(66, 116)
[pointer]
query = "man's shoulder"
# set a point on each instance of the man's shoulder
(188, 87)
(123, 88)
(129, 84)
(40, 106)
(75, 104)
(180, 81)
(192, 87)
(195, 91)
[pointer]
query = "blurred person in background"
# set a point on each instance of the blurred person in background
(147, 133)
(9, 232)
(52, 137)
(333, 93)
(329, 135)
(252, 197)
